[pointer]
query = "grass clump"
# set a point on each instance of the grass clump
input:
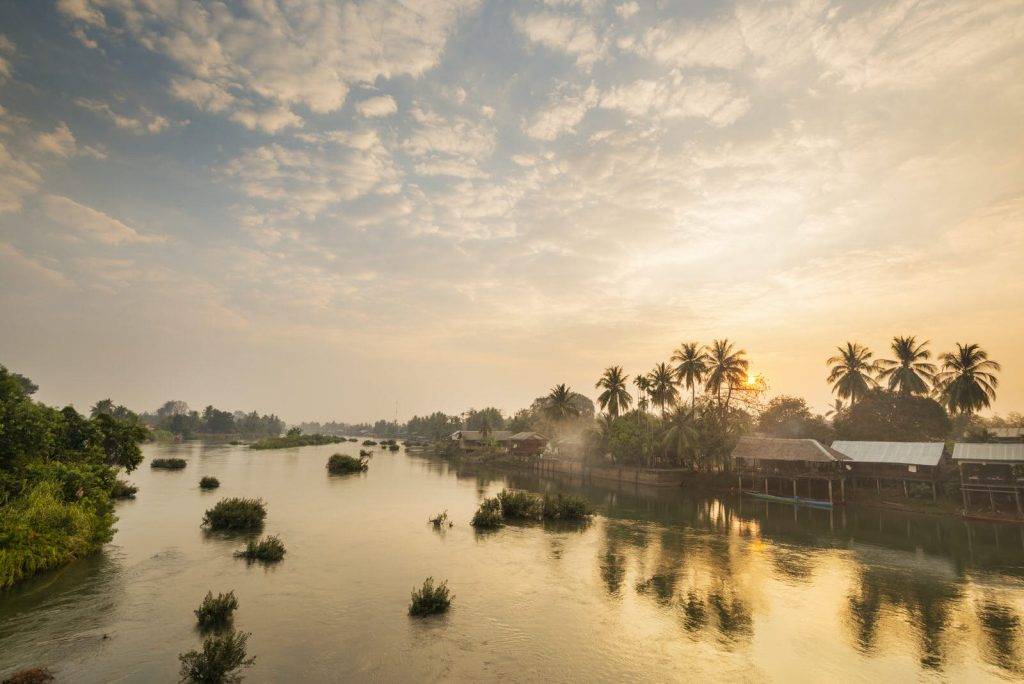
(488, 515)
(393, 447)
(236, 514)
(566, 507)
(369, 442)
(123, 490)
(216, 611)
(519, 505)
(269, 550)
(430, 599)
(342, 464)
(365, 453)
(219, 661)
(168, 463)
(32, 675)
(295, 440)
(207, 482)
(440, 520)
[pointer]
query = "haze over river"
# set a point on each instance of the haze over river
(660, 586)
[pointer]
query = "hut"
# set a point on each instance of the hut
(893, 462)
(798, 470)
(1007, 434)
(993, 473)
(527, 443)
(473, 440)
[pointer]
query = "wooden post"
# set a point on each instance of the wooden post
(739, 482)
(842, 489)
(830, 497)
(906, 494)
(1016, 495)
(878, 486)
(794, 489)
(935, 496)
(992, 500)
(765, 484)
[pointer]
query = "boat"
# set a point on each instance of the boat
(797, 500)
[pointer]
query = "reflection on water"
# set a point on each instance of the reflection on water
(660, 586)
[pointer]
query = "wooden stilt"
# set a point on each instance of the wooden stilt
(935, 496)
(830, 496)
(794, 492)
(992, 500)
(878, 486)
(842, 489)
(906, 494)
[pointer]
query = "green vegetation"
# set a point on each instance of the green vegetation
(365, 453)
(430, 599)
(566, 507)
(440, 520)
(32, 675)
(215, 612)
(342, 464)
(518, 505)
(269, 550)
(168, 463)
(236, 514)
(369, 442)
(223, 655)
(208, 482)
(123, 489)
(393, 447)
(293, 439)
(176, 419)
(488, 515)
(58, 471)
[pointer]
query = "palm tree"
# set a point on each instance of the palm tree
(663, 386)
(559, 405)
(615, 396)
(967, 381)
(692, 366)
(852, 372)
(681, 435)
(726, 366)
(910, 371)
(835, 409)
(643, 391)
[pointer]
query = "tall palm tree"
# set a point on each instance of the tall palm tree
(615, 396)
(681, 435)
(663, 386)
(559, 405)
(726, 366)
(852, 372)
(835, 409)
(967, 381)
(910, 372)
(643, 391)
(692, 366)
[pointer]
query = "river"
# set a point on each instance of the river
(661, 586)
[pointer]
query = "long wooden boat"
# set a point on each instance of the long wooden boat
(797, 500)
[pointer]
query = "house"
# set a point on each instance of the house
(1007, 434)
(894, 462)
(470, 440)
(995, 470)
(798, 470)
(527, 443)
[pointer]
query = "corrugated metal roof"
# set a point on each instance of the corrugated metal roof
(898, 453)
(988, 452)
(523, 436)
(479, 435)
(1007, 432)
(778, 449)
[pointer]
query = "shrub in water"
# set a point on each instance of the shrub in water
(430, 599)
(123, 490)
(219, 661)
(365, 453)
(488, 515)
(268, 550)
(352, 439)
(208, 482)
(168, 463)
(33, 675)
(566, 507)
(342, 464)
(441, 519)
(216, 611)
(393, 447)
(369, 442)
(520, 505)
(236, 514)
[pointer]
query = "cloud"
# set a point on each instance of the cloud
(93, 224)
(679, 97)
(15, 266)
(566, 111)
(269, 120)
(6, 48)
(382, 105)
(627, 9)
(562, 33)
(60, 142)
(146, 122)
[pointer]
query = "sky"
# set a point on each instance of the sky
(355, 210)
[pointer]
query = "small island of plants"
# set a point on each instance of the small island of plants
(236, 514)
(208, 482)
(219, 661)
(343, 464)
(268, 550)
(430, 599)
(123, 489)
(295, 438)
(527, 506)
(215, 612)
(168, 463)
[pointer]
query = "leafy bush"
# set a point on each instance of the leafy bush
(519, 505)
(393, 447)
(32, 675)
(342, 464)
(208, 482)
(168, 463)
(294, 440)
(269, 550)
(488, 515)
(216, 611)
(440, 519)
(352, 439)
(430, 599)
(236, 514)
(123, 490)
(566, 507)
(369, 442)
(365, 453)
(219, 661)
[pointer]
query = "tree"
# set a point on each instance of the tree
(967, 381)
(485, 420)
(884, 415)
(852, 371)
(559, 404)
(790, 417)
(615, 397)
(692, 365)
(102, 406)
(680, 436)
(643, 391)
(172, 408)
(910, 372)
(631, 439)
(726, 366)
(663, 386)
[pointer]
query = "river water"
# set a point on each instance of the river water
(661, 586)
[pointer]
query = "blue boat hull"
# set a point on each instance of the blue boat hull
(796, 500)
